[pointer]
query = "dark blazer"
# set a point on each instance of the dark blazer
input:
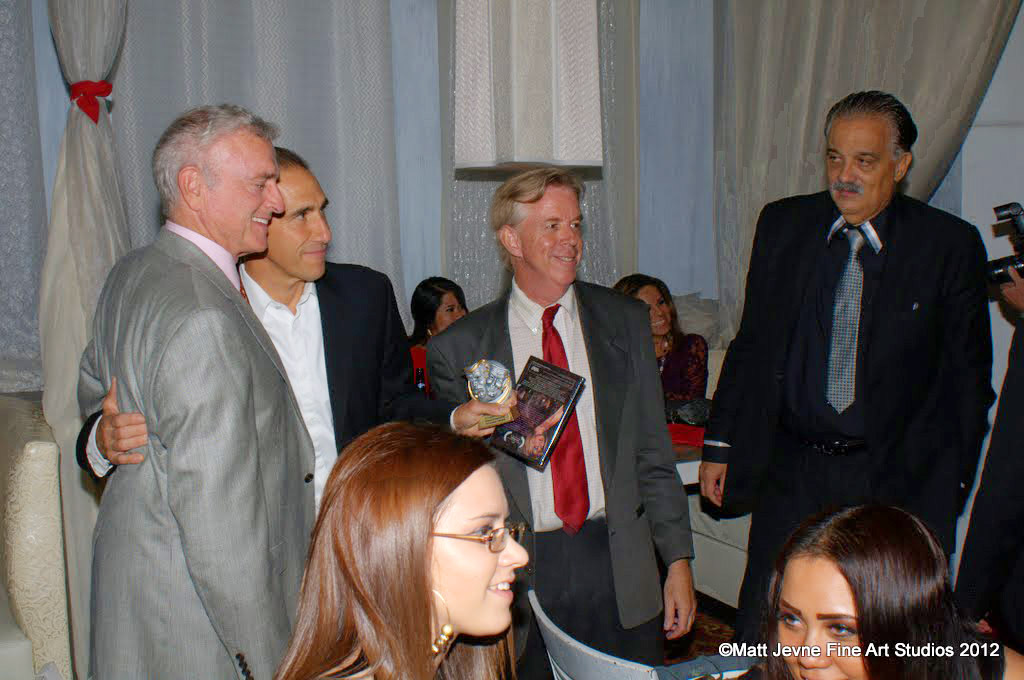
(995, 544)
(643, 494)
(369, 372)
(926, 343)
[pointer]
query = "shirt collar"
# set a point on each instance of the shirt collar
(530, 313)
(867, 228)
(261, 301)
(224, 260)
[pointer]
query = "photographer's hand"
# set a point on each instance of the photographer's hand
(1013, 293)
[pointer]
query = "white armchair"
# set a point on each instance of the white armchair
(34, 627)
(573, 660)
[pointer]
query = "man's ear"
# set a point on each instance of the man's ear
(903, 165)
(509, 239)
(191, 186)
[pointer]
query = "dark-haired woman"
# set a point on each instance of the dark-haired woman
(864, 594)
(436, 303)
(410, 560)
(682, 357)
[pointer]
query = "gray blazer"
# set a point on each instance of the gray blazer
(198, 551)
(644, 496)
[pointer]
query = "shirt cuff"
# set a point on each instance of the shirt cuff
(715, 451)
(100, 465)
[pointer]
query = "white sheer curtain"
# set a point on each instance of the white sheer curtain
(321, 71)
(23, 206)
(87, 234)
(471, 256)
(781, 64)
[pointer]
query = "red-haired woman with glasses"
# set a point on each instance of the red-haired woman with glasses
(410, 558)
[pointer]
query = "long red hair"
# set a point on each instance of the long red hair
(366, 605)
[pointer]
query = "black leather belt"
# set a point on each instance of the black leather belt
(835, 447)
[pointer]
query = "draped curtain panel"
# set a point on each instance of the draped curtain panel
(471, 255)
(780, 66)
(321, 71)
(527, 83)
(23, 207)
(88, 232)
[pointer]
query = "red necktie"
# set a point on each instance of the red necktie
(568, 472)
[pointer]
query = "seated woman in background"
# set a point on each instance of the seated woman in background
(436, 304)
(410, 552)
(682, 358)
(873, 578)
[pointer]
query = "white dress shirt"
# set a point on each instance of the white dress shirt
(299, 341)
(526, 333)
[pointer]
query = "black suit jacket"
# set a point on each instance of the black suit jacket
(995, 544)
(369, 370)
(927, 348)
(643, 494)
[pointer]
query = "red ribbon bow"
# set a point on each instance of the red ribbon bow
(84, 93)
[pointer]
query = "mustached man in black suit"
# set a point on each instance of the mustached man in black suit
(336, 328)
(861, 369)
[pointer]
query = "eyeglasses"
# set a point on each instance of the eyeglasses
(496, 539)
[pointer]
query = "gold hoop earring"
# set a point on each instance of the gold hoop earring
(444, 638)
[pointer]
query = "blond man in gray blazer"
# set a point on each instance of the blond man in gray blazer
(199, 549)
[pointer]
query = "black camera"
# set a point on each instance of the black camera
(998, 270)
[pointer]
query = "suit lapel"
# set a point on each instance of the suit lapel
(797, 259)
(495, 343)
(337, 349)
(895, 283)
(810, 248)
(184, 251)
(607, 354)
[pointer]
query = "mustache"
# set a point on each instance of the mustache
(846, 186)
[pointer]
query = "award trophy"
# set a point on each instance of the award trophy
(490, 382)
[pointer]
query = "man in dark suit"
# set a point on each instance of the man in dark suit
(990, 582)
(861, 369)
(337, 329)
(610, 493)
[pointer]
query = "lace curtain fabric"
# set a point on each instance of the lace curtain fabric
(471, 255)
(23, 208)
(780, 66)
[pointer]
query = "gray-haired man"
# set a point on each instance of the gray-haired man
(199, 550)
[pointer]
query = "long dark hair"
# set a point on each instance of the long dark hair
(365, 603)
(631, 285)
(899, 577)
(425, 301)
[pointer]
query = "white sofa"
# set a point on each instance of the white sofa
(34, 627)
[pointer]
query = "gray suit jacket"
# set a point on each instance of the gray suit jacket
(644, 497)
(199, 551)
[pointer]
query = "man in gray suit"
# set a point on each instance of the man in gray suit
(611, 486)
(199, 549)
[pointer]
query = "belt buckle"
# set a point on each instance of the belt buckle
(836, 448)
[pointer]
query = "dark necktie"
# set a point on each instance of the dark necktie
(568, 471)
(841, 389)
